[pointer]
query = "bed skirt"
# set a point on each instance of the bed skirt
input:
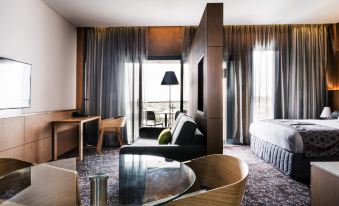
(295, 165)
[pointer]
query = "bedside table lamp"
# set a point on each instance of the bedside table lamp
(326, 113)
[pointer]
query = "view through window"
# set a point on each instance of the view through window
(156, 111)
(263, 77)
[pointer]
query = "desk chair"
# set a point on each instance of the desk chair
(111, 125)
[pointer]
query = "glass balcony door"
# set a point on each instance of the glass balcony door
(155, 106)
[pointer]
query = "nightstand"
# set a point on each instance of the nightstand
(324, 183)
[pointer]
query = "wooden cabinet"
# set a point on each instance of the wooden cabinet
(29, 137)
(15, 153)
(44, 150)
(36, 152)
(39, 151)
(9, 128)
(38, 127)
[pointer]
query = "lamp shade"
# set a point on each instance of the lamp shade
(326, 113)
(169, 79)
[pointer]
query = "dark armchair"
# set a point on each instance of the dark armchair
(187, 141)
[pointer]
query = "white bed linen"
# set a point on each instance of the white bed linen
(285, 137)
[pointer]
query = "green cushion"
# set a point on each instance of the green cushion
(165, 136)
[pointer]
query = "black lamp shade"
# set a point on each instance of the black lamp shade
(169, 79)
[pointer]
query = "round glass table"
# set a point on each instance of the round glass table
(152, 180)
(143, 180)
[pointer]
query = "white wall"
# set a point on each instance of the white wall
(31, 32)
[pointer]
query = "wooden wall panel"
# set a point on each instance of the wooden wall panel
(165, 41)
(208, 43)
(215, 29)
(214, 136)
(214, 79)
(337, 36)
(334, 100)
(63, 115)
(11, 132)
(80, 67)
(337, 61)
(333, 74)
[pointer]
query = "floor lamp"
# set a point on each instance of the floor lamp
(169, 79)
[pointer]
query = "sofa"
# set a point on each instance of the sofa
(187, 141)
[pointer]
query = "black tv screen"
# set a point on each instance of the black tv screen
(201, 85)
(15, 84)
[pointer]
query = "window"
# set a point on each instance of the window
(263, 79)
(156, 96)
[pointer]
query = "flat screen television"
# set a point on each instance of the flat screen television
(201, 86)
(15, 84)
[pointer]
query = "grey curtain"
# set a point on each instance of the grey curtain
(238, 46)
(300, 66)
(106, 52)
(307, 75)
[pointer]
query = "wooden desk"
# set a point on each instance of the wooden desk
(324, 183)
(77, 121)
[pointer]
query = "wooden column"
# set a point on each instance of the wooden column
(80, 66)
(207, 48)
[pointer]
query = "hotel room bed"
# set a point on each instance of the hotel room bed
(290, 145)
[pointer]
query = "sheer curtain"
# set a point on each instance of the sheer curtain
(263, 80)
(133, 99)
(107, 50)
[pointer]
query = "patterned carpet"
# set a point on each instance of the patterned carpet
(265, 185)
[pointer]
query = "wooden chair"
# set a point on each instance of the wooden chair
(8, 165)
(221, 180)
(111, 125)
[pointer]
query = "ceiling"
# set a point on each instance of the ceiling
(90, 13)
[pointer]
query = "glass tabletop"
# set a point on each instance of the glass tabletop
(39, 185)
(152, 180)
(142, 180)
